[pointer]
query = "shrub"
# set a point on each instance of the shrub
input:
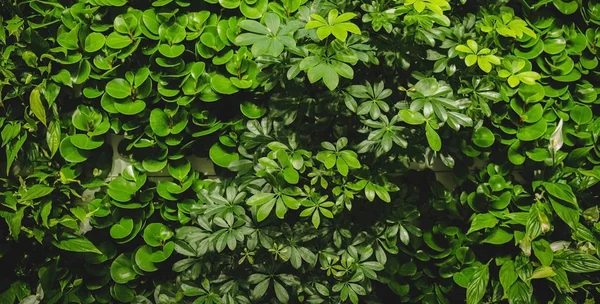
(324, 120)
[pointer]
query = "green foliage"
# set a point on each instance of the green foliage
(316, 115)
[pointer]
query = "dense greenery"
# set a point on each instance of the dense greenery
(316, 114)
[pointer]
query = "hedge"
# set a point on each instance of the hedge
(315, 114)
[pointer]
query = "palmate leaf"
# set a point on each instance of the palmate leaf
(336, 24)
(269, 39)
(318, 69)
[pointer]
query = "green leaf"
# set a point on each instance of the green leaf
(342, 166)
(121, 270)
(264, 210)
(351, 158)
(330, 77)
(154, 165)
(280, 292)
(180, 169)
(94, 42)
(497, 183)
(36, 191)
(533, 131)
(291, 175)
(156, 234)
(118, 88)
(123, 293)
(561, 191)
(471, 60)
(463, 277)
(162, 255)
(411, 117)
(483, 137)
(255, 27)
(568, 212)
(513, 81)
(79, 244)
(142, 259)
(581, 114)
(260, 199)
(51, 92)
(121, 189)
(464, 49)
(221, 156)
(484, 63)
(478, 285)
(260, 289)
(70, 39)
(13, 151)
(543, 272)
(14, 221)
(18, 289)
(433, 138)
(566, 7)
(122, 229)
(531, 93)
(316, 219)
(554, 45)
(252, 110)
(160, 122)
(84, 142)
(82, 73)
(473, 46)
(427, 86)
(508, 275)
(222, 84)
(130, 107)
(520, 293)
(543, 252)
(53, 137)
(141, 76)
(516, 156)
(171, 51)
(36, 105)
(533, 114)
(125, 23)
(482, 221)
(117, 41)
(230, 4)
(564, 203)
(498, 236)
(537, 223)
(45, 213)
(576, 261)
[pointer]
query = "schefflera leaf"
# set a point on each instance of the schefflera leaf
(267, 39)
